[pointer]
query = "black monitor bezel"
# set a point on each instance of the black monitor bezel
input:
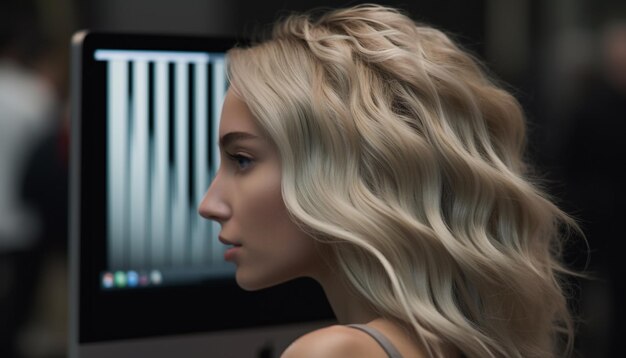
(148, 312)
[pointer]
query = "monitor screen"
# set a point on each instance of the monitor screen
(161, 113)
(144, 263)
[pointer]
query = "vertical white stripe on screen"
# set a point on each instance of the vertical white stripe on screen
(218, 92)
(180, 202)
(117, 190)
(159, 209)
(199, 237)
(139, 166)
(218, 89)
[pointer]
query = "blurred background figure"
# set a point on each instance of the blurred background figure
(26, 102)
(29, 104)
(614, 45)
(593, 158)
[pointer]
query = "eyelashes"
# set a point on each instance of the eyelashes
(242, 162)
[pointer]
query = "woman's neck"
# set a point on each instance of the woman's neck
(347, 306)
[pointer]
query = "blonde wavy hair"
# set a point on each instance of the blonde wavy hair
(406, 161)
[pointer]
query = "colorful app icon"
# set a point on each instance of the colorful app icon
(132, 279)
(120, 279)
(155, 277)
(107, 280)
(144, 280)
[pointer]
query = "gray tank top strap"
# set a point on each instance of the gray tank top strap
(387, 346)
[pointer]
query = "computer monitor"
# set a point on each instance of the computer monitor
(147, 272)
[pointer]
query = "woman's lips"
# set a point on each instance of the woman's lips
(231, 253)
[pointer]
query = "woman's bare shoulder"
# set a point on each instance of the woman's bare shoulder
(334, 342)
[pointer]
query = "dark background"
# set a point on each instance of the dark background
(550, 54)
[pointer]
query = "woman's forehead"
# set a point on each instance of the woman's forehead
(236, 117)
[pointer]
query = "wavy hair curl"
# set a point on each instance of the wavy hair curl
(405, 160)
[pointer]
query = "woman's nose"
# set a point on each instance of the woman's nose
(214, 205)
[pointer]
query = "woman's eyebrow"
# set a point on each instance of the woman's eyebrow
(228, 138)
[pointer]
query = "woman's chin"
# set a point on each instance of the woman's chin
(254, 282)
(248, 283)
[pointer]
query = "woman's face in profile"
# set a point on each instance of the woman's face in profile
(245, 198)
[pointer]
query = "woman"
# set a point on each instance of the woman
(375, 156)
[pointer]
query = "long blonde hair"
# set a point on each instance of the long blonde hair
(406, 161)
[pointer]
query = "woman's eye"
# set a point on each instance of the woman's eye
(241, 161)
